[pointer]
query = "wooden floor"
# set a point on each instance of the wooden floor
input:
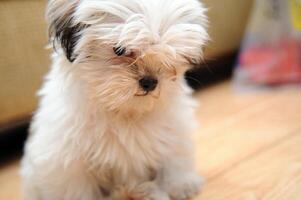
(249, 146)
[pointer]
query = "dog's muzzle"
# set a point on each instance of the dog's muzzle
(148, 83)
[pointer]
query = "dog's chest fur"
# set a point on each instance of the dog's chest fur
(128, 151)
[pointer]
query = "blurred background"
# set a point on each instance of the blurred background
(248, 86)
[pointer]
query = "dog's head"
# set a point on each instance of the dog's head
(129, 53)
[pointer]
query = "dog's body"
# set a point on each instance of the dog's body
(115, 113)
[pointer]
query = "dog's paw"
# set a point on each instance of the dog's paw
(186, 188)
(148, 191)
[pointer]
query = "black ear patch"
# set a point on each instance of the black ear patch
(64, 32)
(68, 37)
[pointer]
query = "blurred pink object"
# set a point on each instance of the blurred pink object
(273, 64)
(271, 51)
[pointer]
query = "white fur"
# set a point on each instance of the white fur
(92, 133)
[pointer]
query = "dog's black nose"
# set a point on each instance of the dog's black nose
(148, 83)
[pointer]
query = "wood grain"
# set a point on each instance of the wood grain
(10, 185)
(248, 146)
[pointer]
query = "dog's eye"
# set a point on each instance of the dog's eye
(119, 51)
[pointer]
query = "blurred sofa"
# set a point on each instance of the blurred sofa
(24, 59)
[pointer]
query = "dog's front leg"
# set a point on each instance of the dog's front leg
(149, 191)
(179, 179)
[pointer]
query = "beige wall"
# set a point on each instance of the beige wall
(228, 19)
(24, 61)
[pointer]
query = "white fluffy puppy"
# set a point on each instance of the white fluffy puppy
(115, 114)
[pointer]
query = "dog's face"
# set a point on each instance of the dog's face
(130, 54)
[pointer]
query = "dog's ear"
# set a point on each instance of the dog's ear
(62, 29)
